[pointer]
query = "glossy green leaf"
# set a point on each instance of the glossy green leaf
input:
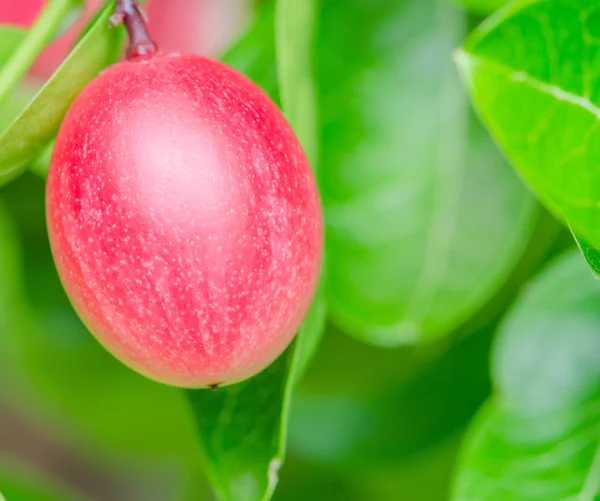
(19, 483)
(532, 72)
(590, 253)
(39, 122)
(538, 439)
(243, 427)
(425, 220)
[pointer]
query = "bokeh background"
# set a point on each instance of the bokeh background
(367, 423)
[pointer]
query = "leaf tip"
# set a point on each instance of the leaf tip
(461, 59)
(464, 62)
(273, 476)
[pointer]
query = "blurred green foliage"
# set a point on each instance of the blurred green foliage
(19, 483)
(430, 240)
(409, 178)
(538, 439)
(482, 6)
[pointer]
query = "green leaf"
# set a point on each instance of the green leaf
(538, 439)
(38, 123)
(10, 38)
(531, 69)
(241, 430)
(243, 427)
(425, 220)
(295, 70)
(590, 253)
(19, 483)
(19, 99)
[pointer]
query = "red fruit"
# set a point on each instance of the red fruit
(184, 220)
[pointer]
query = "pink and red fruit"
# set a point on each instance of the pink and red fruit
(184, 220)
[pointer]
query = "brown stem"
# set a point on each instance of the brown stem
(130, 13)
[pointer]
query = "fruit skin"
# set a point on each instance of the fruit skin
(184, 220)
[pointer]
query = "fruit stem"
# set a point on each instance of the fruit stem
(130, 13)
